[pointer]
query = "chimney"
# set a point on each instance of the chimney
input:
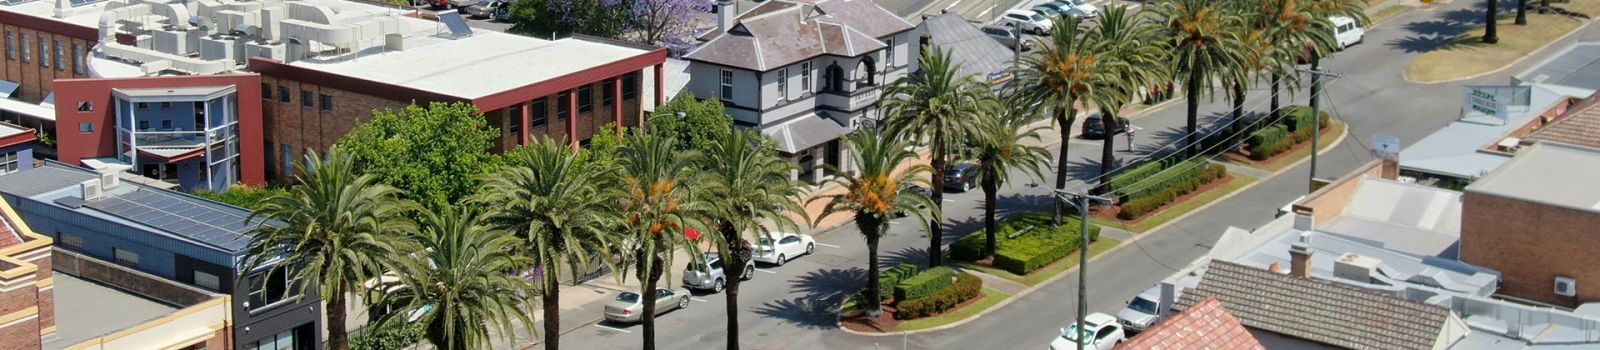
(1304, 221)
(725, 15)
(1300, 256)
(1389, 169)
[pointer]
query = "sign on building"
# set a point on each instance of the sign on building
(1494, 101)
(1386, 147)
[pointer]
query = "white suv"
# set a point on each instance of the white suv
(1027, 21)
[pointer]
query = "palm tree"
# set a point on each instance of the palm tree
(553, 205)
(458, 281)
(937, 105)
(751, 184)
(657, 204)
(1522, 12)
(1298, 33)
(1320, 11)
(872, 194)
(1204, 49)
(339, 229)
(1000, 143)
(1134, 55)
(1056, 77)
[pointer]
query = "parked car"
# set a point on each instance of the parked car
(1142, 312)
(461, 4)
(1008, 37)
(709, 276)
(1346, 32)
(778, 247)
(1027, 20)
(1088, 10)
(1095, 129)
(962, 176)
(484, 8)
(626, 308)
(1064, 9)
(1098, 332)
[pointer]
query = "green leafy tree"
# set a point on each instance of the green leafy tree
(457, 283)
(657, 203)
(1135, 58)
(425, 152)
(1056, 77)
(872, 193)
(1204, 48)
(751, 185)
(244, 196)
(335, 230)
(1001, 142)
(702, 124)
(1298, 34)
(939, 106)
(553, 204)
(547, 18)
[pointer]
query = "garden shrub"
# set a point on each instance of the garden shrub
(887, 279)
(1139, 207)
(924, 283)
(965, 288)
(1154, 184)
(1041, 245)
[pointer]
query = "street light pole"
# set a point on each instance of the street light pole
(1316, 120)
(1080, 201)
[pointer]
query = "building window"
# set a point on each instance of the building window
(85, 127)
(514, 116)
(563, 105)
(281, 341)
(270, 288)
(287, 151)
(125, 257)
(783, 84)
(85, 106)
(630, 87)
(27, 53)
(72, 241)
(266, 92)
(585, 101)
(61, 55)
(166, 124)
(283, 94)
(327, 102)
(727, 85)
(805, 76)
(144, 125)
(606, 95)
(305, 98)
(540, 112)
(77, 60)
(11, 46)
(9, 162)
(888, 56)
(207, 281)
(44, 53)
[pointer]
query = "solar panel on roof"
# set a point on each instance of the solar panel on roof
(178, 216)
(458, 26)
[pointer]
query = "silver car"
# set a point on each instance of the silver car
(626, 308)
(710, 276)
(484, 8)
(1142, 312)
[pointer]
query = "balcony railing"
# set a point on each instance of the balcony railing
(850, 101)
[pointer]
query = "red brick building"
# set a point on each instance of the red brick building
(27, 298)
(1535, 219)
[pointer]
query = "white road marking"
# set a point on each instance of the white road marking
(612, 328)
(767, 271)
(986, 11)
(1088, 142)
(697, 299)
(953, 4)
(827, 245)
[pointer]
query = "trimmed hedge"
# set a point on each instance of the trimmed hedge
(1154, 185)
(888, 279)
(1139, 207)
(1040, 246)
(965, 288)
(924, 283)
(1293, 129)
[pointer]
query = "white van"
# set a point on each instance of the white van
(1346, 31)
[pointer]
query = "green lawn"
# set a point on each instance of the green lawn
(1044, 273)
(989, 298)
(1172, 212)
(1279, 163)
(1467, 55)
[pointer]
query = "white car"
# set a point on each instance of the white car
(1346, 31)
(1089, 10)
(1099, 332)
(778, 247)
(1027, 21)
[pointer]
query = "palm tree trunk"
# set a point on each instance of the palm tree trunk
(990, 190)
(1544, 5)
(1277, 80)
(1064, 118)
(1522, 15)
(733, 262)
(1490, 35)
(338, 339)
(935, 231)
(1108, 156)
(1238, 110)
(1192, 93)
(874, 301)
(649, 300)
(551, 301)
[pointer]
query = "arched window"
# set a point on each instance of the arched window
(835, 78)
(871, 66)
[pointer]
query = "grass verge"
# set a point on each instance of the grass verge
(990, 298)
(1175, 211)
(1466, 55)
(1387, 12)
(1279, 163)
(1044, 273)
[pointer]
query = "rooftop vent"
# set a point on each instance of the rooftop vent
(1355, 267)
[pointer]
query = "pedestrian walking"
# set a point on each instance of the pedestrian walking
(1131, 129)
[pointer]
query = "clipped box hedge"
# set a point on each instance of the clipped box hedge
(888, 279)
(965, 287)
(1153, 185)
(1039, 246)
(1135, 208)
(924, 283)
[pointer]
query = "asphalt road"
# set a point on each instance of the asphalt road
(790, 307)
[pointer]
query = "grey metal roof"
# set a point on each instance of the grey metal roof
(1409, 218)
(805, 132)
(180, 215)
(32, 182)
(1319, 311)
(977, 53)
(1576, 66)
(1548, 172)
(1454, 150)
(781, 32)
(188, 92)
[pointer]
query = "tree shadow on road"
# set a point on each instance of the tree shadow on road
(914, 255)
(824, 291)
(1442, 32)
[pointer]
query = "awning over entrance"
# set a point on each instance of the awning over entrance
(804, 133)
(28, 109)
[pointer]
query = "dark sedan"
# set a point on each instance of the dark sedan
(1094, 128)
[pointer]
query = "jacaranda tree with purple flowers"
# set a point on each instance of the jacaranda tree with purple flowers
(546, 18)
(668, 23)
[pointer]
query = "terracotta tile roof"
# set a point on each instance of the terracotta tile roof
(781, 32)
(1319, 311)
(1204, 326)
(1581, 128)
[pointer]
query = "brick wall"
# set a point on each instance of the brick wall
(34, 78)
(1531, 244)
(134, 281)
(1329, 201)
(22, 335)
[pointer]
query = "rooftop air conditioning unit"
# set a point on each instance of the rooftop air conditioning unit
(109, 180)
(91, 190)
(1566, 286)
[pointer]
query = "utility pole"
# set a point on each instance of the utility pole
(1316, 118)
(1081, 202)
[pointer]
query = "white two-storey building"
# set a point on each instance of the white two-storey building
(804, 72)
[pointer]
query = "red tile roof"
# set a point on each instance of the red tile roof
(1206, 325)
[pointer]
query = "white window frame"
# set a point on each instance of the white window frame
(207, 280)
(805, 77)
(783, 83)
(9, 162)
(131, 258)
(725, 85)
(888, 61)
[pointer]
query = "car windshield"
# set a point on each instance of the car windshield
(1072, 334)
(628, 297)
(1037, 17)
(1046, 10)
(1143, 305)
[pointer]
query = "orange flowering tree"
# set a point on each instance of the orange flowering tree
(656, 204)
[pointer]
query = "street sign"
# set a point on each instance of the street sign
(1386, 147)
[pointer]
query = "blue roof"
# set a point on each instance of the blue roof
(206, 223)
